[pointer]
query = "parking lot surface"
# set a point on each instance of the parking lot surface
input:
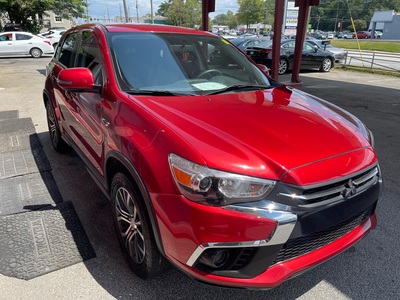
(369, 270)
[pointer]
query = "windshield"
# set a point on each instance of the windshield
(180, 64)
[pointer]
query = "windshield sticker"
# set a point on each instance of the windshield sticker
(207, 86)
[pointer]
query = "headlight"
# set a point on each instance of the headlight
(202, 184)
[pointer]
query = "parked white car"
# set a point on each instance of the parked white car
(53, 35)
(24, 43)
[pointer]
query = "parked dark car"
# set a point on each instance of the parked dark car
(210, 165)
(243, 43)
(312, 57)
(362, 35)
(339, 54)
(12, 27)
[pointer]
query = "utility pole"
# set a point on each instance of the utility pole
(137, 11)
(87, 12)
(126, 12)
(151, 11)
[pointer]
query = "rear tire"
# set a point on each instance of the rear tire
(36, 52)
(134, 230)
(55, 134)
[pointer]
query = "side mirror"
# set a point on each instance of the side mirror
(315, 48)
(77, 80)
(263, 68)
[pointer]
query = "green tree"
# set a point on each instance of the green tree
(359, 24)
(220, 19)
(24, 12)
(194, 9)
(251, 11)
(231, 20)
(186, 14)
(328, 13)
(163, 8)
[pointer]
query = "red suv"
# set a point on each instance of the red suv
(210, 165)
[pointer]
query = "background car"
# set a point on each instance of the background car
(378, 34)
(362, 35)
(243, 42)
(318, 35)
(12, 27)
(53, 35)
(24, 43)
(340, 54)
(345, 35)
(312, 56)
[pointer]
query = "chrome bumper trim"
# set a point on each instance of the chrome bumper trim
(284, 227)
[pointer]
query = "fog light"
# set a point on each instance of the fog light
(215, 258)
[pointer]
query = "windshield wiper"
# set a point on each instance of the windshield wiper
(152, 93)
(238, 87)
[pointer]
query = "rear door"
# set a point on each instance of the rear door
(23, 43)
(87, 107)
(81, 112)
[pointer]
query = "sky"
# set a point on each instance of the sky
(111, 8)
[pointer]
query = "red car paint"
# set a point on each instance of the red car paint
(316, 161)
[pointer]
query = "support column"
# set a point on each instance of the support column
(276, 39)
(302, 22)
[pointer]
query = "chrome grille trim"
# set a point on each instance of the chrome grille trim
(344, 189)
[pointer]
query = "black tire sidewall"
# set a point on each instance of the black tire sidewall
(59, 144)
(144, 269)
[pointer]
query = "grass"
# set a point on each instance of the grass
(368, 70)
(393, 47)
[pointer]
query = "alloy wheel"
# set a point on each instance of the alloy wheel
(130, 225)
(283, 66)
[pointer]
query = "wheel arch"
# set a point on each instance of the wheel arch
(117, 162)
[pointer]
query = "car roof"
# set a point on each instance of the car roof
(24, 32)
(150, 28)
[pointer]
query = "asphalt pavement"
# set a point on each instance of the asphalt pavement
(369, 270)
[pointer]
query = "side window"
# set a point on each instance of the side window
(22, 37)
(308, 47)
(66, 53)
(89, 56)
(289, 45)
(6, 37)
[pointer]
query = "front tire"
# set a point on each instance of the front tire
(36, 53)
(134, 230)
(283, 66)
(326, 65)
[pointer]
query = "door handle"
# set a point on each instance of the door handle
(105, 122)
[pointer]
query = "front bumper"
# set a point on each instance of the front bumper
(261, 244)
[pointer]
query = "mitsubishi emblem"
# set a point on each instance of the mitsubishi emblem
(349, 189)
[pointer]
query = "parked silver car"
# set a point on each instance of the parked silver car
(339, 54)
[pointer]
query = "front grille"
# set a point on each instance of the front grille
(305, 244)
(343, 189)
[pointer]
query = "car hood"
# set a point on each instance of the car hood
(260, 133)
